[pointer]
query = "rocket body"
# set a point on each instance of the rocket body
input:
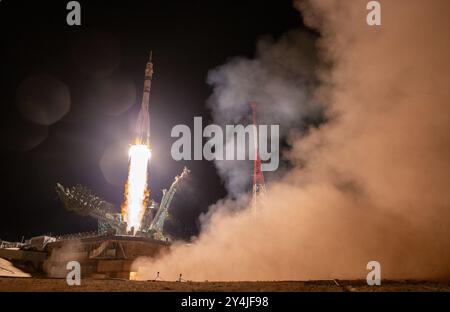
(143, 122)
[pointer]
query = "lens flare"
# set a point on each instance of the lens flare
(136, 192)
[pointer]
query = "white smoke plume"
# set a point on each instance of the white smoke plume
(280, 80)
(55, 265)
(369, 184)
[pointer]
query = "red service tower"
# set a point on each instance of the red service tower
(259, 187)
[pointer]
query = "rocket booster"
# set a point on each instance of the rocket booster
(143, 122)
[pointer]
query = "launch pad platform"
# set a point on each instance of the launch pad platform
(99, 256)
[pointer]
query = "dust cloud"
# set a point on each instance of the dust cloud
(371, 183)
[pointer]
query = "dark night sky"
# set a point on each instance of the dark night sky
(188, 38)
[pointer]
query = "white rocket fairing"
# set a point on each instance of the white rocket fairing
(143, 121)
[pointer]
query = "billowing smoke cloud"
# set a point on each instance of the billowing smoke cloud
(369, 184)
(55, 265)
(281, 80)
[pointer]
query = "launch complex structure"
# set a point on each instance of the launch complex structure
(121, 237)
(152, 215)
(135, 229)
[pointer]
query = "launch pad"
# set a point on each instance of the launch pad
(101, 256)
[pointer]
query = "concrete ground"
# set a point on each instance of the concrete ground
(47, 284)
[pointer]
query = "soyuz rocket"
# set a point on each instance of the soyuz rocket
(143, 121)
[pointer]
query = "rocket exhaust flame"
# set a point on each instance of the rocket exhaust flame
(136, 192)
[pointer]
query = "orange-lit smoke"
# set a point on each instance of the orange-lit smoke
(370, 183)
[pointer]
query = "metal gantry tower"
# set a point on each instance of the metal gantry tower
(163, 211)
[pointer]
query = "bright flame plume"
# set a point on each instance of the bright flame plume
(136, 193)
